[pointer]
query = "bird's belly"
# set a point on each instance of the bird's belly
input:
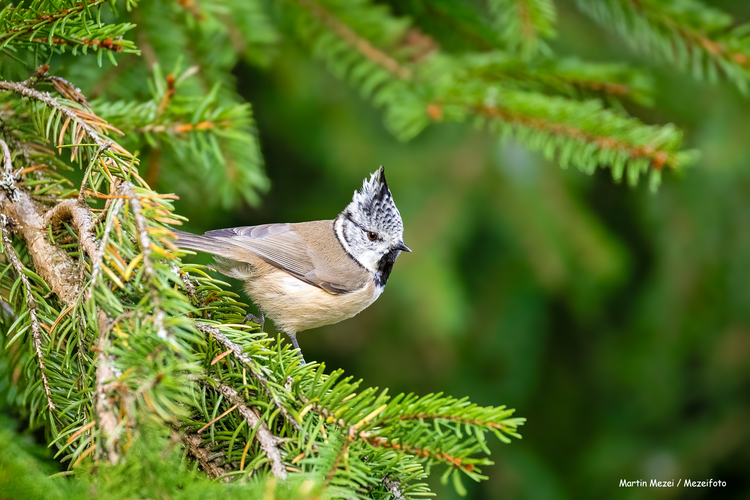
(294, 305)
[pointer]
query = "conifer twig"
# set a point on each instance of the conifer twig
(36, 332)
(97, 264)
(247, 360)
(382, 442)
(52, 102)
(8, 178)
(332, 471)
(51, 262)
(658, 158)
(87, 173)
(33, 25)
(141, 226)
(104, 372)
(352, 38)
(453, 418)
(269, 443)
(193, 442)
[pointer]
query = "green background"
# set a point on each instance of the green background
(616, 320)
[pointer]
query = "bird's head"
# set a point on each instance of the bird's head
(370, 228)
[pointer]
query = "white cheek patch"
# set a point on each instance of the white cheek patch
(369, 259)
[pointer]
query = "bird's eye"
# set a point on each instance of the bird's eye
(372, 236)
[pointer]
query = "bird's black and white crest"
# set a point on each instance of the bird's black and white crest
(373, 205)
(370, 228)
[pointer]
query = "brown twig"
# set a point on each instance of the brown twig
(453, 418)
(695, 37)
(8, 178)
(7, 162)
(83, 220)
(355, 433)
(87, 173)
(97, 262)
(183, 128)
(268, 442)
(254, 371)
(193, 442)
(185, 277)
(33, 25)
(382, 442)
(658, 158)
(52, 102)
(141, 226)
(332, 472)
(113, 44)
(36, 332)
(527, 23)
(362, 45)
(69, 90)
(51, 262)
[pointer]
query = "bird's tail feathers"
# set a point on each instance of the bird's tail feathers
(205, 244)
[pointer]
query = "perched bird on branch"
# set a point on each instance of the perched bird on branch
(309, 274)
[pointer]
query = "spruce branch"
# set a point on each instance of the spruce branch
(75, 26)
(51, 262)
(191, 134)
(569, 77)
(147, 337)
(111, 214)
(524, 24)
(691, 35)
(36, 332)
(204, 456)
(583, 134)
(252, 366)
(267, 441)
(362, 45)
(658, 158)
(141, 226)
(89, 124)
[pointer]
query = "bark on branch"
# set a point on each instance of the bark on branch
(254, 371)
(269, 443)
(36, 332)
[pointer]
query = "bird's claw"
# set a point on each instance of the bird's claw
(254, 319)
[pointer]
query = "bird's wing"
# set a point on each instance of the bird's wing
(282, 247)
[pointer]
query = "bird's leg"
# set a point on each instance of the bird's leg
(252, 317)
(293, 336)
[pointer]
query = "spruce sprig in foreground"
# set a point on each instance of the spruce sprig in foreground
(109, 330)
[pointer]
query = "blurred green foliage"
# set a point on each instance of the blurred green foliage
(618, 320)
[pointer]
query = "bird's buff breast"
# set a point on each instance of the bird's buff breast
(294, 305)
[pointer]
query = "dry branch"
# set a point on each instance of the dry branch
(254, 371)
(51, 262)
(141, 226)
(97, 264)
(193, 442)
(36, 332)
(269, 443)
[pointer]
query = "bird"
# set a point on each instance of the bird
(309, 274)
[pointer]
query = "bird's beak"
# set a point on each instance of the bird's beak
(402, 247)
